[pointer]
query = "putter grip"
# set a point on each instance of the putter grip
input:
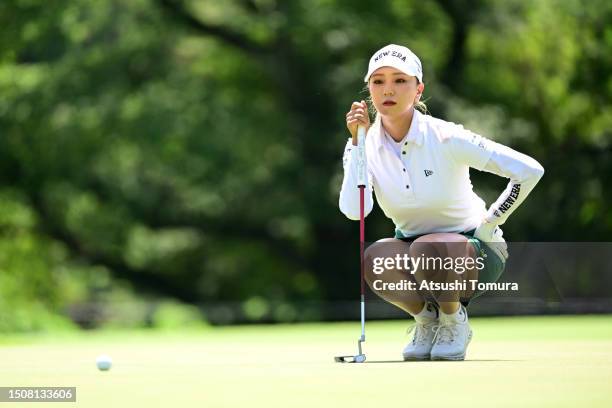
(361, 159)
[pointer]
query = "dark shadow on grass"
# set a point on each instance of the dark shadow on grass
(484, 359)
(435, 361)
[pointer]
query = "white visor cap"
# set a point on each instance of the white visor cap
(397, 57)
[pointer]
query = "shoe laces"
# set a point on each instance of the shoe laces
(445, 333)
(420, 332)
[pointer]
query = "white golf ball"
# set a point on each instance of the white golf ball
(104, 362)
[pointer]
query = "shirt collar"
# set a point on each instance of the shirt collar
(415, 133)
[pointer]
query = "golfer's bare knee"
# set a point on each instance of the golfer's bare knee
(381, 249)
(427, 248)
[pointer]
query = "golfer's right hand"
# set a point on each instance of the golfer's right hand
(493, 236)
(357, 116)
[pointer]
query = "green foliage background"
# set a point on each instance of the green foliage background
(189, 152)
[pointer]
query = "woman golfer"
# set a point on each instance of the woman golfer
(418, 167)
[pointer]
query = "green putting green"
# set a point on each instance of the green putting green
(512, 362)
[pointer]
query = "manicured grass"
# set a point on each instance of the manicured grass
(512, 362)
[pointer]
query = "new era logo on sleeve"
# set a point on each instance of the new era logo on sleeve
(428, 173)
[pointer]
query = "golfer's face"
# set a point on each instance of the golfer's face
(392, 91)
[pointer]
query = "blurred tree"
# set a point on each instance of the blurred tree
(192, 148)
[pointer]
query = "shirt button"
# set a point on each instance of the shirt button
(406, 144)
(404, 170)
(407, 186)
(403, 152)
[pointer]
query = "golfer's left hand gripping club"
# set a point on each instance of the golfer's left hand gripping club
(361, 184)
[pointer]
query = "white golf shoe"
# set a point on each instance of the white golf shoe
(420, 346)
(451, 338)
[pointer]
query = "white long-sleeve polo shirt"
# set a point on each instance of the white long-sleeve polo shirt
(428, 189)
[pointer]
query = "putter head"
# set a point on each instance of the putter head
(359, 358)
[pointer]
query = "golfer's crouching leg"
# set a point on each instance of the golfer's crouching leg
(387, 273)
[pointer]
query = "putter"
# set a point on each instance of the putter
(361, 182)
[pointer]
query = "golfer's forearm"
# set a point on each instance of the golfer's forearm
(349, 193)
(524, 173)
